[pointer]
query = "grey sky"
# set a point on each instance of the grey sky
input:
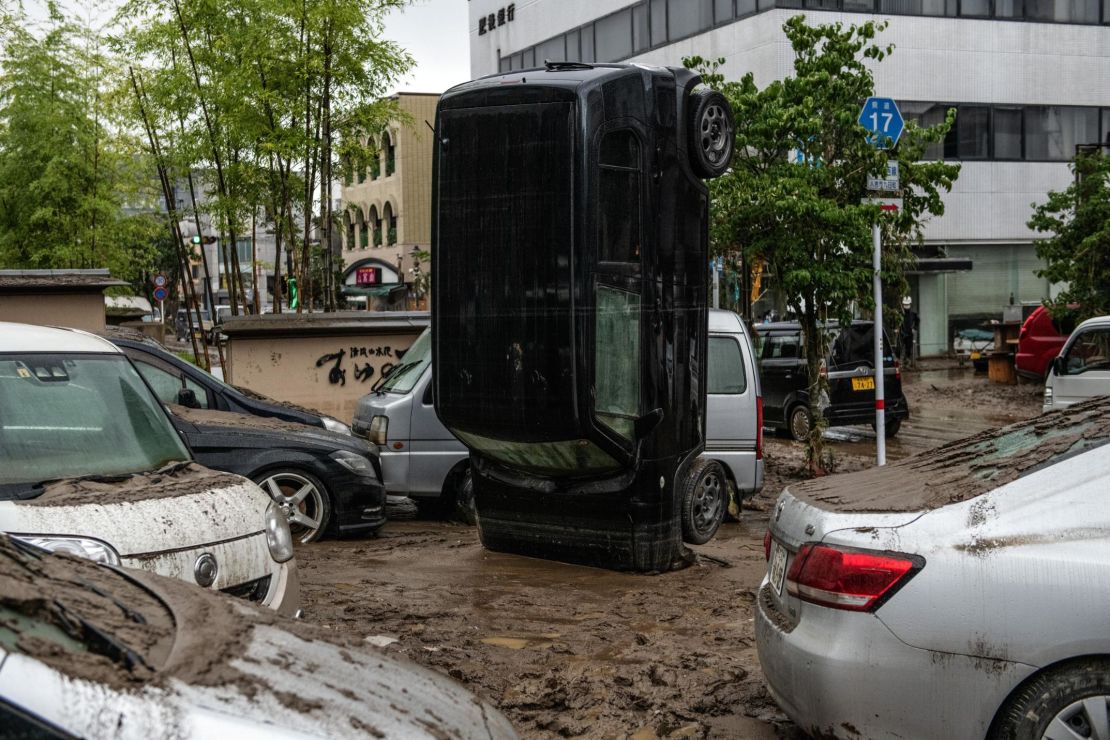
(433, 31)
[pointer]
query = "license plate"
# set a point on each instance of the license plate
(863, 384)
(975, 355)
(777, 569)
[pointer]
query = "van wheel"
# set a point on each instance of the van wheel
(712, 133)
(704, 499)
(800, 422)
(465, 510)
(891, 427)
(303, 499)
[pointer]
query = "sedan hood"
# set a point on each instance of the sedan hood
(179, 506)
(265, 431)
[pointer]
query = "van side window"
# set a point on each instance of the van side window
(781, 347)
(1089, 351)
(726, 367)
(618, 211)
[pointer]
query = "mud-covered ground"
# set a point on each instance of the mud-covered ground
(568, 651)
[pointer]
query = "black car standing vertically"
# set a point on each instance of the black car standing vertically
(570, 233)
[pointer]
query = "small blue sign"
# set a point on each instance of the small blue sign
(160, 293)
(880, 116)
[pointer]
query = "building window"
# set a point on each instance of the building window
(1007, 133)
(688, 17)
(390, 152)
(975, 8)
(613, 36)
(722, 11)
(658, 22)
(588, 53)
(574, 54)
(553, 50)
(640, 40)
(1062, 11)
(1052, 132)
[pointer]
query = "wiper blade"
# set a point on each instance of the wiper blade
(396, 372)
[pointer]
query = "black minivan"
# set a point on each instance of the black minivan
(850, 365)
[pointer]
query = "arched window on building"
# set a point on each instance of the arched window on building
(376, 225)
(349, 228)
(389, 150)
(360, 225)
(390, 224)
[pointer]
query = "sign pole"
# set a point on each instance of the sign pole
(884, 124)
(880, 400)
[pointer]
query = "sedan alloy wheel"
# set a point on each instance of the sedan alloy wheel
(303, 500)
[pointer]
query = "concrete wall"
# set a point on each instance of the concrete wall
(73, 310)
(323, 361)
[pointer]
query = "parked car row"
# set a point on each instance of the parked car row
(99, 460)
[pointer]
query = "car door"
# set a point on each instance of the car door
(434, 451)
(167, 381)
(780, 372)
(1087, 362)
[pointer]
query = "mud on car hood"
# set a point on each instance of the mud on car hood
(182, 505)
(202, 665)
(265, 430)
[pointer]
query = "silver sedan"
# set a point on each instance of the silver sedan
(964, 593)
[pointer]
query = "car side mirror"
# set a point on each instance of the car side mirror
(188, 398)
(644, 425)
(1059, 365)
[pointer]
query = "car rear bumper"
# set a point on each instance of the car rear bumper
(842, 674)
(745, 467)
(843, 415)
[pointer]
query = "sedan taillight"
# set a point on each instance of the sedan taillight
(856, 580)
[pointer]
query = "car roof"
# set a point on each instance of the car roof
(1095, 321)
(31, 338)
(722, 321)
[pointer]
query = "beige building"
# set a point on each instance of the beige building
(387, 210)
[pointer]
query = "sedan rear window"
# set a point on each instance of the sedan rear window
(63, 416)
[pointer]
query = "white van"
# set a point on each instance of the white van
(1082, 369)
(91, 465)
(422, 460)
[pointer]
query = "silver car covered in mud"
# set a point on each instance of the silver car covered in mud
(961, 593)
(90, 464)
(92, 651)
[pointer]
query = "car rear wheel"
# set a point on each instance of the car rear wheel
(800, 422)
(704, 500)
(1069, 702)
(302, 498)
(890, 428)
(712, 133)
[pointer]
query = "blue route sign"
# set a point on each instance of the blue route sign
(880, 116)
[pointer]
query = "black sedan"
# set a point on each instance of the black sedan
(179, 382)
(326, 483)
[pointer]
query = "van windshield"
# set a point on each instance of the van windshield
(69, 415)
(403, 377)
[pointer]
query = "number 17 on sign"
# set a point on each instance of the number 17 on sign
(883, 121)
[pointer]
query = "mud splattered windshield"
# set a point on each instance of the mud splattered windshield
(403, 377)
(69, 415)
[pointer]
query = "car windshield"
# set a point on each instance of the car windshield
(69, 415)
(403, 377)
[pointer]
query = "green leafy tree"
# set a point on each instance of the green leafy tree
(73, 185)
(1077, 254)
(264, 99)
(806, 220)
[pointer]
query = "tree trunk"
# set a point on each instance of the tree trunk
(814, 337)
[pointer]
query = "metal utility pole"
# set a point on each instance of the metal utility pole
(880, 398)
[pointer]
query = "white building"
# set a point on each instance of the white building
(1030, 79)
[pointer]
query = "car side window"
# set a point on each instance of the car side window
(726, 367)
(166, 384)
(1089, 351)
(781, 347)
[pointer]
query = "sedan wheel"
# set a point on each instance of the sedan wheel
(1071, 702)
(303, 500)
(704, 500)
